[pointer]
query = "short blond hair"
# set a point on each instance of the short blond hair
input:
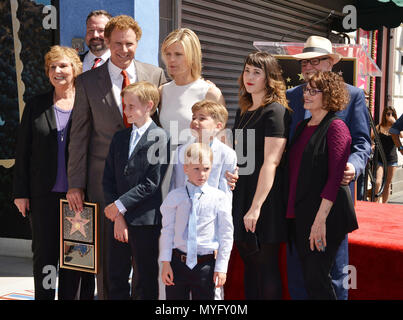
(145, 91)
(191, 45)
(198, 153)
(122, 22)
(215, 110)
(57, 53)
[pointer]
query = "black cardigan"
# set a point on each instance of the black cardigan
(35, 166)
(312, 178)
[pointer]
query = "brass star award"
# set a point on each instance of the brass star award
(78, 237)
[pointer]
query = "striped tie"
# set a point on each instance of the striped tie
(125, 83)
(96, 61)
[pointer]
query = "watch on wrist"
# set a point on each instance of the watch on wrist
(400, 148)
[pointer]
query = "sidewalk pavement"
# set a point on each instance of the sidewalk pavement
(16, 280)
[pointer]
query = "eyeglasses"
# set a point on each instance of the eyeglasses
(313, 62)
(312, 92)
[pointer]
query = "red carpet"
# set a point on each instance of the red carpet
(376, 252)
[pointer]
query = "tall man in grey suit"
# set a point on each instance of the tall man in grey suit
(97, 115)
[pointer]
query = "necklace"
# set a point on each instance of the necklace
(56, 99)
(240, 123)
(62, 130)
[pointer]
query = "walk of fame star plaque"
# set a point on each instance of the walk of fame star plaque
(78, 237)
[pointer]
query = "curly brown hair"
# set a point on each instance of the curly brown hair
(335, 94)
(275, 85)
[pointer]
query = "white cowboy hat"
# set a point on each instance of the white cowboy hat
(316, 47)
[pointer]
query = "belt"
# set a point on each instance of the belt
(200, 258)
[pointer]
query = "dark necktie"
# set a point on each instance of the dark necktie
(125, 83)
(96, 61)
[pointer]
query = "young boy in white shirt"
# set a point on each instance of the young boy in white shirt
(208, 120)
(196, 223)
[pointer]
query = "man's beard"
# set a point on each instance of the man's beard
(97, 47)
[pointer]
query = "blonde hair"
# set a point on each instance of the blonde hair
(214, 109)
(198, 153)
(57, 53)
(191, 45)
(145, 91)
(275, 85)
(122, 22)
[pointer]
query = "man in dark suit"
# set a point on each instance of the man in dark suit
(98, 115)
(318, 55)
(134, 169)
(98, 52)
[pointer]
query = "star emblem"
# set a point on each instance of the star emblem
(77, 224)
(301, 77)
(288, 79)
(340, 73)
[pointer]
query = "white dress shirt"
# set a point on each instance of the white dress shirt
(89, 58)
(132, 144)
(224, 158)
(117, 81)
(214, 224)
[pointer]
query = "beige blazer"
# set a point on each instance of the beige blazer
(95, 119)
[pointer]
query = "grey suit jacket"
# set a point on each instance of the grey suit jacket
(95, 119)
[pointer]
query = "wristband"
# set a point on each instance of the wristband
(400, 148)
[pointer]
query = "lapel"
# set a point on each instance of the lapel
(104, 84)
(125, 144)
(50, 114)
(140, 72)
(143, 140)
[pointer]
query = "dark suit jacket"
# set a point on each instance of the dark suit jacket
(82, 56)
(35, 167)
(136, 181)
(95, 119)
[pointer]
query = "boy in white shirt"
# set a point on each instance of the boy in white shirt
(196, 223)
(208, 120)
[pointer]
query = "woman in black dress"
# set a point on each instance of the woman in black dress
(260, 135)
(389, 117)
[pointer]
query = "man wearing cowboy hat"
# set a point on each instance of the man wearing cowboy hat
(318, 55)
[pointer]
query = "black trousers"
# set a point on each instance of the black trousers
(316, 267)
(197, 281)
(262, 277)
(141, 253)
(44, 218)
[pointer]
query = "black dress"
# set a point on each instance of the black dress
(272, 120)
(389, 148)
